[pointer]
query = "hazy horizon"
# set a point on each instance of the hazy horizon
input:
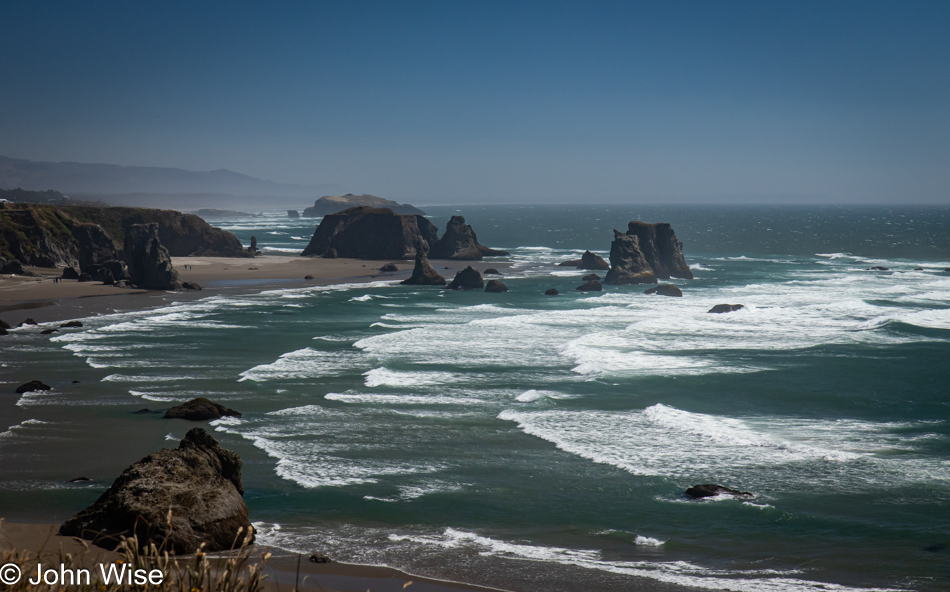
(441, 104)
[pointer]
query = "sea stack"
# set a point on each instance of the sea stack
(370, 233)
(644, 253)
(459, 242)
(627, 263)
(423, 274)
(150, 265)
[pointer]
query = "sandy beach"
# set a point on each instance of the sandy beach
(46, 301)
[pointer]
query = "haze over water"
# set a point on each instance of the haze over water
(535, 442)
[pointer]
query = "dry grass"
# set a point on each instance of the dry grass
(238, 570)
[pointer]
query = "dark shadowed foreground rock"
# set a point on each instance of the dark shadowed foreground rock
(200, 409)
(495, 286)
(721, 308)
(199, 482)
(150, 265)
(33, 385)
(467, 279)
(712, 490)
(423, 274)
(665, 290)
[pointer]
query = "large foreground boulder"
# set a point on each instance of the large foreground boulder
(370, 233)
(627, 263)
(150, 266)
(423, 274)
(459, 242)
(199, 483)
(200, 409)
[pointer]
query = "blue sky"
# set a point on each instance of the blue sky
(486, 102)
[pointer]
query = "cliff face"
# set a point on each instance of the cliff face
(370, 233)
(334, 204)
(50, 236)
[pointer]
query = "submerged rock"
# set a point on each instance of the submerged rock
(878, 268)
(200, 409)
(467, 279)
(712, 490)
(495, 286)
(33, 385)
(665, 290)
(199, 483)
(551, 292)
(721, 308)
(591, 286)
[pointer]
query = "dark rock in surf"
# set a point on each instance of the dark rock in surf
(200, 409)
(722, 308)
(591, 286)
(878, 268)
(199, 483)
(627, 263)
(491, 271)
(467, 279)
(591, 276)
(27, 321)
(389, 267)
(661, 249)
(145, 411)
(459, 242)
(80, 480)
(570, 263)
(551, 292)
(308, 277)
(665, 290)
(591, 261)
(423, 274)
(293, 214)
(72, 324)
(321, 558)
(48, 331)
(33, 385)
(191, 286)
(495, 286)
(712, 490)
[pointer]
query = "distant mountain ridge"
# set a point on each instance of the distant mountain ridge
(111, 179)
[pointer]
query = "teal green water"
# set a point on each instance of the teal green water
(538, 442)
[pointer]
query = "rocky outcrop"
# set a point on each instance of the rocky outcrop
(97, 252)
(252, 250)
(459, 242)
(467, 279)
(591, 276)
(712, 490)
(150, 266)
(46, 235)
(370, 233)
(33, 385)
(591, 261)
(591, 286)
(200, 409)
(665, 290)
(199, 483)
(495, 286)
(391, 267)
(491, 271)
(627, 263)
(551, 292)
(72, 324)
(334, 204)
(661, 249)
(423, 274)
(293, 214)
(721, 308)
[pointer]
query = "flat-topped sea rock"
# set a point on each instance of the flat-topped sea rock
(370, 233)
(333, 204)
(198, 483)
(200, 409)
(627, 263)
(459, 242)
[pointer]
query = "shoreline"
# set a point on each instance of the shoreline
(44, 301)
(41, 538)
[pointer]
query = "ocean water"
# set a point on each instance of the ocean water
(544, 443)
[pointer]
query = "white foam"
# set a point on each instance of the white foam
(532, 395)
(302, 363)
(645, 541)
(14, 430)
(385, 377)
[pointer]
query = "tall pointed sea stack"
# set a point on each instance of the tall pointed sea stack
(661, 249)
(459, 242)
(627, 263)
(423, 274)
(150, 266)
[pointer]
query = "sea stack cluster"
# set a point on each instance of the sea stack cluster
(645, 253)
